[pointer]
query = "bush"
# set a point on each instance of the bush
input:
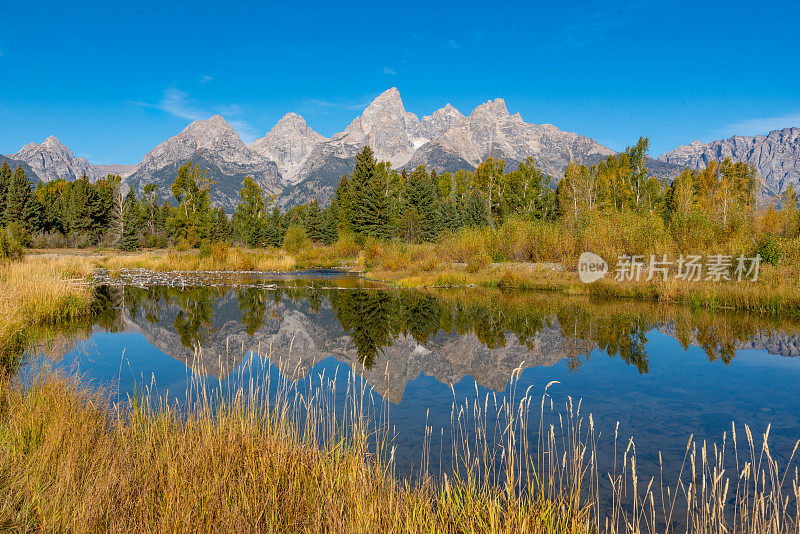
(373, 251)
(205, 249)
(10, 247)
(770, 250)
(465, 245)
(295, 239)
(50, 240)
(346, 246)
(19, 234)
(478, 261)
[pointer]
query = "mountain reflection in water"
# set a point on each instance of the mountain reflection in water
(393, 336)
(655, 372)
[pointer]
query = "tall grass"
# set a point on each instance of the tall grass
(39, 291)
(272, 454)
(217, 257)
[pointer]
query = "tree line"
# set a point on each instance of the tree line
(374, 201)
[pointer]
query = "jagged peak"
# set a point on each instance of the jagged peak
(51, 144)
(388, 99)
(52, 140)
(493, 108)
(290, 122)
(213, 125)
(448, 110)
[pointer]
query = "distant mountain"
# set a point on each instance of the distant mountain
(491, 131)
(52, 159)
(288, 144)
(446, 141)
(216, 148)
(101, 171)
(299, 164)
(775, 155)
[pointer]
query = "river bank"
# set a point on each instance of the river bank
(775, 292)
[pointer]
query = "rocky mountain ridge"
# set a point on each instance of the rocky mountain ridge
(218, 150)
(51, 160)
(776, 155)
(297, 163)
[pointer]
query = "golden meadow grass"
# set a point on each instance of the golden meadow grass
(40, 291)
(275, 455)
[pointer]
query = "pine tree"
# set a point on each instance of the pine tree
(360, 182)
(313, 221)
(5, 184)
(422, 199)
(344, 206)
(20, 204)
(377, 216)
(476, 213)
(451, 217)
(129, 239)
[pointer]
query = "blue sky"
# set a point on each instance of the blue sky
(112, 80)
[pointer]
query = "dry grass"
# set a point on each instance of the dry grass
(241, 460)
(218, 258)
(41, 290)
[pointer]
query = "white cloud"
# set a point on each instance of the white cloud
(453, 44)
(763, 125)
(176, 102)
(205, 79)
(389, 71)
(179, 104)
(324, 106)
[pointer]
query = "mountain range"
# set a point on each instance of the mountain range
(297, 164)
(775, 155)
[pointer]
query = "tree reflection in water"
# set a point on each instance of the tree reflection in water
(373, 319)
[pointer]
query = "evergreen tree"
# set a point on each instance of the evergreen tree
(129, 239)
(451, 217)
(82, 212)
(360, 182)
(344, 206)
(313, 221)
(330, 225)
(220, 226)
(422, 203)
(5, 184)
(274, 229)
(476, 212)
(376, 209)
(20, 204)
(248, 219)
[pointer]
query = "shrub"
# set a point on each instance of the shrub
(10, 247)
(770, 250)
(295, 239)
(19, 234)
(373, 250)
(50, 240)
(346, 246)
(478, 261)
(204, 249)
(463, 245)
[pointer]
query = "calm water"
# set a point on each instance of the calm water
(661, 373)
